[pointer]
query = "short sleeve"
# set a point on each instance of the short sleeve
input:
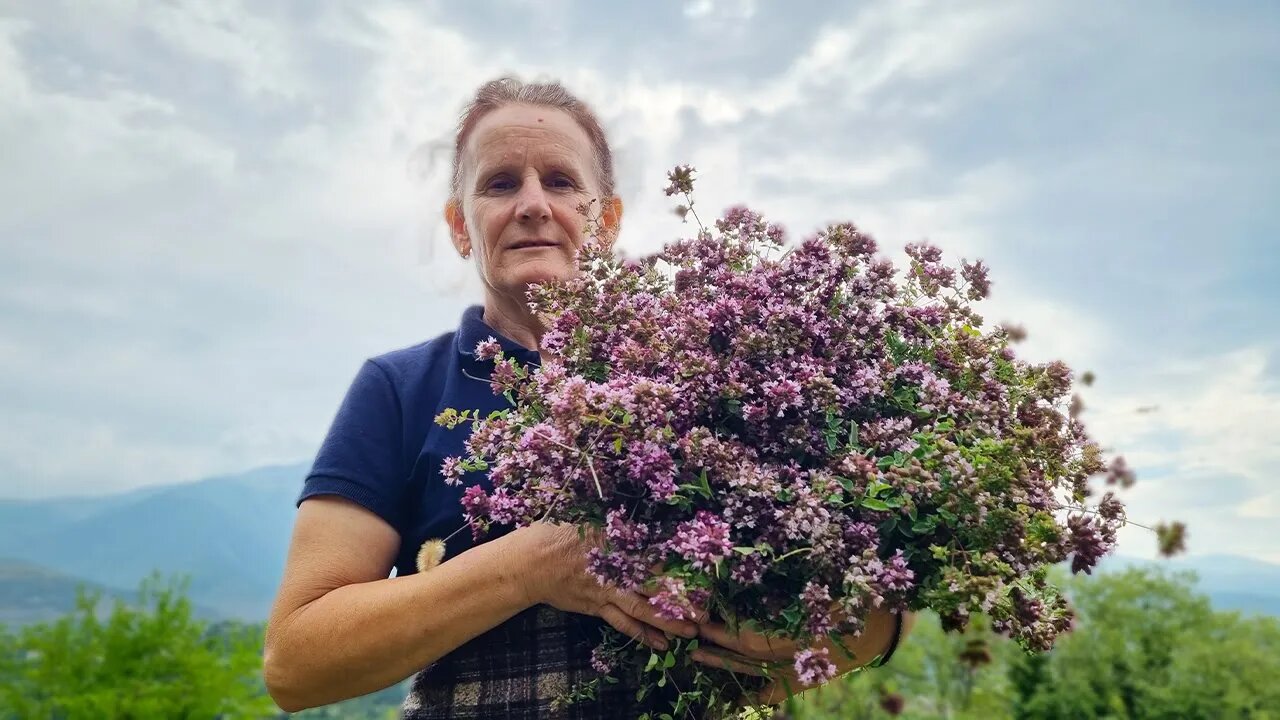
(361, 458)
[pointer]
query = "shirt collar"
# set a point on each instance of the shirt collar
(473, 330)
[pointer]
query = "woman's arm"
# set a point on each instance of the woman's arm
(340, 628)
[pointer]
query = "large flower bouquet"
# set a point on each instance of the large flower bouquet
(793, 435)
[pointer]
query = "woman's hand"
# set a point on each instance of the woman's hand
(751, 653)
(551, 561)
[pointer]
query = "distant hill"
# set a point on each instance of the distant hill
(228, 533)
(1231, 582)
(31, 594)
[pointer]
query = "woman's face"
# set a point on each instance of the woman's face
(526, 169)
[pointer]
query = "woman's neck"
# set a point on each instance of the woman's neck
(513, 319)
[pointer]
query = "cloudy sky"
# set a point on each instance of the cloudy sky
(214, 211)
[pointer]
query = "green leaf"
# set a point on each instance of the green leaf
(745, 550)
(874, 504)
(669, 661)
(617, 444)
(693, 645)
(927, 525)
(653, 662)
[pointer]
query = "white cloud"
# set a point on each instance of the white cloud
(109, 141)
(200, 279)
(1201, 435)
(256, 50)
(720, 10)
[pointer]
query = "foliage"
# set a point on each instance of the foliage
(148, 661)
(1145, 646)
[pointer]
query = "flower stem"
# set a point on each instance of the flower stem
(793, 552)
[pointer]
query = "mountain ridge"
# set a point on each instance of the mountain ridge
(230, 533)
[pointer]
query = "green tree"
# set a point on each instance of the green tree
(939, 675)
(153, 660)
(1148, 646)
(1145, 646)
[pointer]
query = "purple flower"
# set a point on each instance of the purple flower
(675, 601)
(748, 570)
(817, 605)
(1110, 507)
(653, 467)
(703, 541)
(1090, 540)
(488, 349)
(451, 470)
(812, 666)
(475, 504)
(1119, 473)
(504, 376)
(603, 661)
(894, 576)
(681, 180)
(627, 559)
(976, 275)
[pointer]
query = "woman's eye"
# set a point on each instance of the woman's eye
(560, 181)
(500, 183)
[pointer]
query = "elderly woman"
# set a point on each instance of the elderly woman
(503, 627)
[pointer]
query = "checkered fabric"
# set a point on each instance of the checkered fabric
(516, 670)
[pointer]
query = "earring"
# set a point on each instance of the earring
(466, 254)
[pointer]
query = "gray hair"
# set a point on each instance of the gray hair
(511, 91)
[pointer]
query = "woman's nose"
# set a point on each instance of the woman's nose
(532, 205)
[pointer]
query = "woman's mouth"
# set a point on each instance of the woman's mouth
(534, 243)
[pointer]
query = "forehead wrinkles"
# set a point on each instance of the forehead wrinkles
(554, 139)
(521, 146)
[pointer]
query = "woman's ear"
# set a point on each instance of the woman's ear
(611, 218)
(457, 227)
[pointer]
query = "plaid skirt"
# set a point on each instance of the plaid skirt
(516, 670)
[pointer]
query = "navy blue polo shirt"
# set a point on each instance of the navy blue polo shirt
(384, 449)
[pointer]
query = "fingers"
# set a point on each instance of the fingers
(748, 643)
(632, 628)
(730, 661)
(638, 607)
